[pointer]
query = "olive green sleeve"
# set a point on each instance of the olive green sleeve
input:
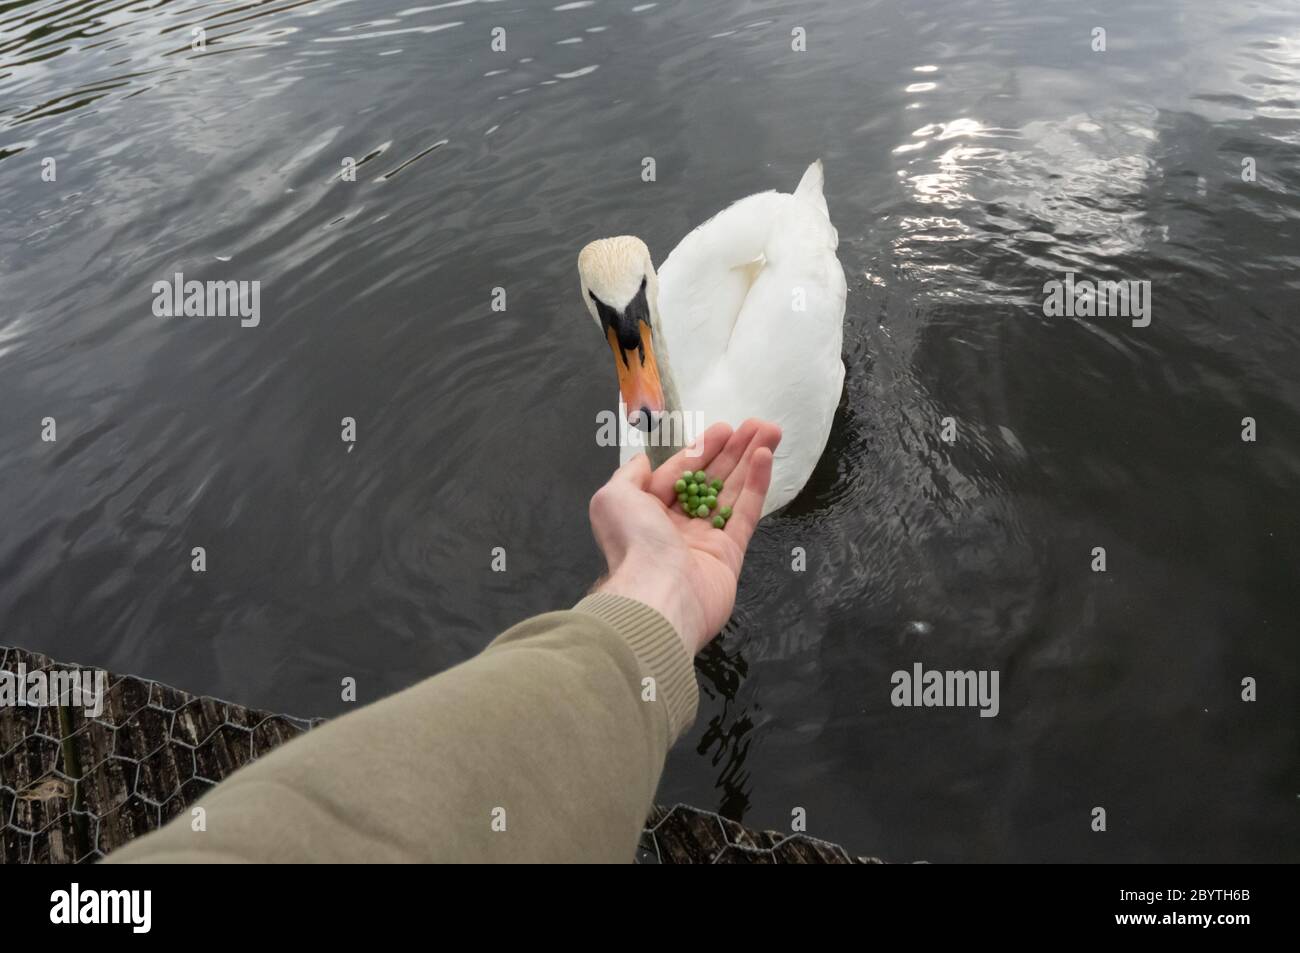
(545, 747)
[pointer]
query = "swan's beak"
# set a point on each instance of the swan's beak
(638, 379)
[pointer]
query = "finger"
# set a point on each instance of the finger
(734, 458)
(695, 457)
(748, 508)
(636, 471)
(729, 457)
(767, 436)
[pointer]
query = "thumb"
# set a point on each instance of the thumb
(636, 472)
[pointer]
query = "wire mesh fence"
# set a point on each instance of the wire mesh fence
(75, 786)
(688, 835)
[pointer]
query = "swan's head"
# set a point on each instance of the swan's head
(621, 291)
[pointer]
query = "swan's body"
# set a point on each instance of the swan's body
(745, 318)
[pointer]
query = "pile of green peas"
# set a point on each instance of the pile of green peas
(698, 496)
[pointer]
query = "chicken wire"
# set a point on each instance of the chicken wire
(73, 788)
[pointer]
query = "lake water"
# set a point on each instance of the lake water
(974, 151)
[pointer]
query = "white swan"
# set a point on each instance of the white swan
(744, 319)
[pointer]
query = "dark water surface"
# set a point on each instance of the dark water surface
(974, 150)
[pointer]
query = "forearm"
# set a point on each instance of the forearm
(547, 746)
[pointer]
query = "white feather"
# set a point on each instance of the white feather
(737, 343)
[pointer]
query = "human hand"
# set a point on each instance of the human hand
(683, 567)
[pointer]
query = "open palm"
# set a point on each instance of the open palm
(684, 567)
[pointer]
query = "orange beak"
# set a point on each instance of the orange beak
(638, 379)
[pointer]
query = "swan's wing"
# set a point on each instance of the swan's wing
(752, 307)
(704, 282)
(784, 358)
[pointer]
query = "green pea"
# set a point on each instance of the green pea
(681, 497)
(679, 485)
(725, 512)
(686, 508)
(701, 511)
(719, 522)
(701, 476)
(711, 502)
(688, 475)
(717, 485)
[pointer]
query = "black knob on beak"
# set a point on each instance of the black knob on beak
(640, 419)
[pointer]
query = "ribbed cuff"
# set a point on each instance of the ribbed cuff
(658, 648)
